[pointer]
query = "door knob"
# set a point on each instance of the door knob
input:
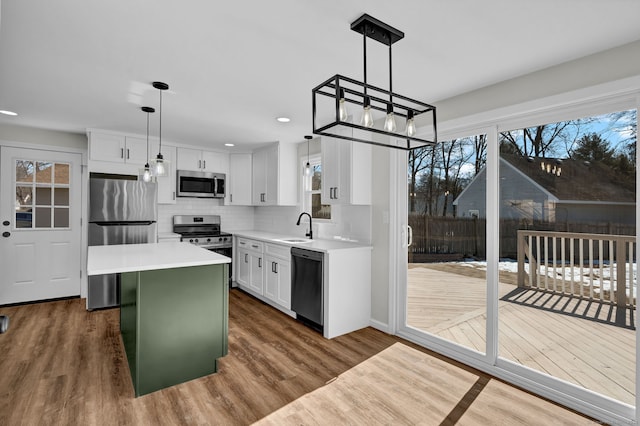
(6, 234)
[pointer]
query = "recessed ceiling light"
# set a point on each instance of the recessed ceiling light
(283, 119)
(8, 112)
(229, 144)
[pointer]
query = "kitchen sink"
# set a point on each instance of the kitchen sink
(295, 240)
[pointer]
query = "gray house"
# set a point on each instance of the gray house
(553, 190)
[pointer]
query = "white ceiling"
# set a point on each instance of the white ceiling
(234, 66)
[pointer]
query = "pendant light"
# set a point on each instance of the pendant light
(306, 173)
(374, 101)
(145, 174)
(160, 166)
(307, 167)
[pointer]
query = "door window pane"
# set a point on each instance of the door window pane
(62, 173)
(44, 172)
(43, 196)
(61, 196)
(24, 171)
(43, 217)
(61, 217)
(24, 195)
(24, 218)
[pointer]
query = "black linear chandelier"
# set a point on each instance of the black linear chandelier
(338, 91)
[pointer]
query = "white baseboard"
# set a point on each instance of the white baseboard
(378, 325)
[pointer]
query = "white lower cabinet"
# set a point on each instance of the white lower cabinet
(278, 274)
(264, 270)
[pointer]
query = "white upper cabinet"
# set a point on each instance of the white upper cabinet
(346, 172)
(239, 180)
(116, 153)
(274, 175)
(204, 161)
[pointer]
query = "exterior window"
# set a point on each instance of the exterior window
(313, 191)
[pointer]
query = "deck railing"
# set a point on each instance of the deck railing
(594, 266)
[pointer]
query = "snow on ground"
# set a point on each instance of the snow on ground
(601, 278)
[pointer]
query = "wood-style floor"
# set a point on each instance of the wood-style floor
(62, 365)
(586, 343)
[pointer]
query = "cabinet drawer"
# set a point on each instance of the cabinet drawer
(283, 252)
(250, 244)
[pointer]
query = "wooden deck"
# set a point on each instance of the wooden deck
(587, 343)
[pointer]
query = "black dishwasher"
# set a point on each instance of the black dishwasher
(307, 287)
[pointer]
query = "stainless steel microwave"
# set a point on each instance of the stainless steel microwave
(200, 184)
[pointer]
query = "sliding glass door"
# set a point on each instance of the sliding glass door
(567, 232)
(446, 284)
(522, 259)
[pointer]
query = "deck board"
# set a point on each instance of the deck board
(587, 343)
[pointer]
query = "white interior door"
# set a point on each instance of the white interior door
(39, 224)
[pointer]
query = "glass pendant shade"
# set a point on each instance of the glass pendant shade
(411, 125)
(367, 118)
(342, 107)
(160, 166)
(390, 120)
(145, 174)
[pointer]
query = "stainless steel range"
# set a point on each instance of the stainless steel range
(204, 231)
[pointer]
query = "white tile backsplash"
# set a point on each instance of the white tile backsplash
(352, 222)
(231, 217)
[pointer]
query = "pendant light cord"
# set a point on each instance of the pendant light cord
(147, 138)
(160, 130)
(364, 49)
(390, 77)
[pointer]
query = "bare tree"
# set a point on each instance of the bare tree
(540, 141)
(418, 163)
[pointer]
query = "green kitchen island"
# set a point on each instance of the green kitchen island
(173, 309)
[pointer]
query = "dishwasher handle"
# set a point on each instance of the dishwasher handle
(307, 254)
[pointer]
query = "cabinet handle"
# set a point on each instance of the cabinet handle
(199, 164)
(127, 153)
(174, 195)
(246, 258)
(254, 246)
(231, 198)
(204, 164)
(259, 262)
(335, 193)
(121, 152)
(275, 267)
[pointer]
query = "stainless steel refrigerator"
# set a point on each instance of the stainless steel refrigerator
(120, 212)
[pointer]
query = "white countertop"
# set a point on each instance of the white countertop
(315, 244)
(145, 257)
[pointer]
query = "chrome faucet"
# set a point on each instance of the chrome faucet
(310, 233)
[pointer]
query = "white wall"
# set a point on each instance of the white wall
(610, 65)
(31, 135)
